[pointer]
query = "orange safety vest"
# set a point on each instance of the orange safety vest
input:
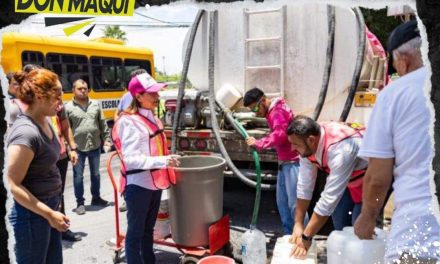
(162, 178)
(336, 132)
(56, 124)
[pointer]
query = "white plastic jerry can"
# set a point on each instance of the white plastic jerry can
(283, 249)
(228, 95)
(344, 247)
(162, 228)
(253, 247)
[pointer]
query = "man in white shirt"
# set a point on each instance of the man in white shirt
(397, 144)
(331, 147)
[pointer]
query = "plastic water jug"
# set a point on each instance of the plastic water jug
(162, 228)
(228, 95)
(283, 249)
(344, 247)
(253, 247)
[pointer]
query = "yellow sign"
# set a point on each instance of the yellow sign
(365, 99)
(83, 7)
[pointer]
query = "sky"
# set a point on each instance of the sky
(166, 43)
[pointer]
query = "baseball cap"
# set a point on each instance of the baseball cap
(400, 35)
(144, 83)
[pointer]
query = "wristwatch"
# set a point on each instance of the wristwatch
(73, 149)
(306, 238)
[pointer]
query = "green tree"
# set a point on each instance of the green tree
(172, 79)
(114, 32)
(380, 24)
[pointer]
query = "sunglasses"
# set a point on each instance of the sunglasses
(256, 108)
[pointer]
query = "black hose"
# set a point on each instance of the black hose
(359, 63)
(181, 92)
(328, 63)
(212, 108)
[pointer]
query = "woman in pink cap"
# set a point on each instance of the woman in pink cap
(147, 168)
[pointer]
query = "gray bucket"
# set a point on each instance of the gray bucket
(196, 201)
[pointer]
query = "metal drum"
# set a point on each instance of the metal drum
(196, 201)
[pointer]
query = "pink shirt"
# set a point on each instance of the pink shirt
(278, 117)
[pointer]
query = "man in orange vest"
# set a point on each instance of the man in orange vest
(331, 147)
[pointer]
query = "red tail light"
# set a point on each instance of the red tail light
(201, 144)
(184, 144)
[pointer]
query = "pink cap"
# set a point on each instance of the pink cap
(144, 83)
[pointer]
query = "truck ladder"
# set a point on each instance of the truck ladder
(280, 39)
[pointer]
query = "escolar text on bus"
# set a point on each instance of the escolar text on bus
(109, 104)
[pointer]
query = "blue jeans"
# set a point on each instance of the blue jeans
(142, 208)
(286, 194)
(346, 212)
(36, 241)
(78, 174)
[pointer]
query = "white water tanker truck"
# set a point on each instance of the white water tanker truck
(319, 58)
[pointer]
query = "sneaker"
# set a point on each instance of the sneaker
(80, 209)
(70, 236)
(99, 202)
(123, 207)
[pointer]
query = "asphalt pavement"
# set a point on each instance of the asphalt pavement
(97, 227)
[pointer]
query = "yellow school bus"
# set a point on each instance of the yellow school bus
(105, 64)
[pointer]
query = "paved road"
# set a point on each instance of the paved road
(97, 226)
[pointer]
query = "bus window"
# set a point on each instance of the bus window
(131, 65)
(107, 74)
(69, 67)
(32, 57)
